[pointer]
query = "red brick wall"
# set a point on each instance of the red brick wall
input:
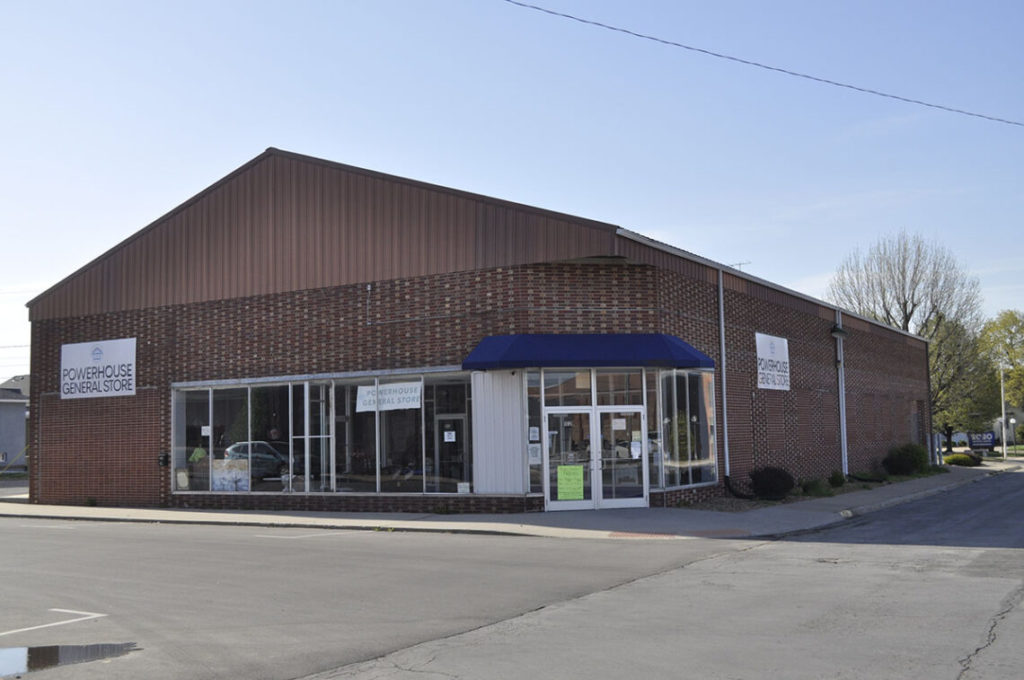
(106, 449)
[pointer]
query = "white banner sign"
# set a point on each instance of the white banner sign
(98, 369)
(772, 362)
(388, 397)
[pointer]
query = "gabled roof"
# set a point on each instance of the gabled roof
(18, 383)
(284, 222)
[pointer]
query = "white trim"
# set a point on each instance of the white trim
(314, 377)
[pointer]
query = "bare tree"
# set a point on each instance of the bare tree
(918, 286)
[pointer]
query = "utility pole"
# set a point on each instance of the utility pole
(1002, 399)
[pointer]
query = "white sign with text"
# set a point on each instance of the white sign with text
(389, 397)
(772, 362)
(98, 369)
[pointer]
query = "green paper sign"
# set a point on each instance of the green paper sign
(570, 482)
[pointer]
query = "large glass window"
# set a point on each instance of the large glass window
(653, 432)
(620, 387)
(674, 432)
(231, 464)
(192, 441)
(702, 430)
(270, 453)
(317, 464)
(567, 388)
(350, 435)
(534, 446)
(687, 428)
(447, 418)
(401, 435)
(355, 443)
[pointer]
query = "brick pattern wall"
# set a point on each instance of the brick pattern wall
(886, 385)
(106, 449)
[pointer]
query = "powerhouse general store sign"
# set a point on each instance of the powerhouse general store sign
(97, 369)
(772, 362)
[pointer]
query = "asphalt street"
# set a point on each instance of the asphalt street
(927, 589)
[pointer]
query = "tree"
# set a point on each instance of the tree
(919, 287)
(1002, 340)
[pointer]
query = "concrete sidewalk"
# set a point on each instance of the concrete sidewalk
(635, 523)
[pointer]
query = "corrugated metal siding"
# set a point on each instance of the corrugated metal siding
(640, 252)
(498, 458)
(774, 296)
(285, 222)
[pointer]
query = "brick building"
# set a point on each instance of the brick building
(309, 335)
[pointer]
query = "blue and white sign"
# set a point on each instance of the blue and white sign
(772, 362)
(981, 440)
(105, 368)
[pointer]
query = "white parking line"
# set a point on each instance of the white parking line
(85, 617)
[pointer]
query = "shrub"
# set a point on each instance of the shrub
(771, 483)
(836, 479)
(961, 459)
(908, 459)
(815, 487)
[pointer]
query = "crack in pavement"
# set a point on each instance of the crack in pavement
(1009, 603)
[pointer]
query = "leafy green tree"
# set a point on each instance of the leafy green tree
(1002, 340)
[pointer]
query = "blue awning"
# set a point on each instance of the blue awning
(585, 350)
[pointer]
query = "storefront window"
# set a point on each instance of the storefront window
(653, 432)
(567, 388)
(355, 443)
(192, 438)
(687, 419)
(317, 464)
(270, 453)
(617, 387)
(231, 464)
(448, 439)
(702, 434)
(534, 446)
(401, 435)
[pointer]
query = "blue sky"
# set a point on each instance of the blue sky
(115, 112)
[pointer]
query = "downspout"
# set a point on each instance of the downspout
(721, 355)
(930, 426)
(841, 370)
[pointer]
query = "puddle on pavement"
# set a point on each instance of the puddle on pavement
(16, 660)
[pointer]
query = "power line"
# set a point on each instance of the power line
(747, 62)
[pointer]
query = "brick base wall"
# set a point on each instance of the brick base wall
(467, 503)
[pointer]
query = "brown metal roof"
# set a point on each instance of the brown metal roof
(285, 222)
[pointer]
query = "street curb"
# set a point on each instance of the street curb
(409, 526)
(859, 511)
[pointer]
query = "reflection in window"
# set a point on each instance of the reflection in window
(620, 387)
(534, 450)
(355, 457)
(401, 436)
(271, 450)
(230, 464)
(447, 418)
(687, 403)
(653, 432)
(323, 436)
(567, 388)
(191, 452)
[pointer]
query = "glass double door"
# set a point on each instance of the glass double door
(595, 458)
